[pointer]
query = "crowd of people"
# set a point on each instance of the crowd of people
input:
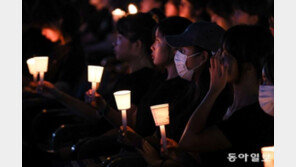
(212, 61)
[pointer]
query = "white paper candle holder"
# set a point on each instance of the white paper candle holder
(94, 76)
(118, 14)
(32, 69)
(41, 65)
(161, 118)
(268, 156)
(160, 114)
(123, 102)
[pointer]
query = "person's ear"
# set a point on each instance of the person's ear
(204, 57)
(137, 45)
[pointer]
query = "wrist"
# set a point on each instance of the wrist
(214, 92)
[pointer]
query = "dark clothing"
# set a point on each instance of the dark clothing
(165, 91)
(67, 64)
(248, 129)
(138, 83)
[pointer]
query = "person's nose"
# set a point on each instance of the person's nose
(152, 47)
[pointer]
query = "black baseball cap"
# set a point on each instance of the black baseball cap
(203, 34)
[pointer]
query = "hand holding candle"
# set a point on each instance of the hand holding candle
(94, 76)
(161, 118)
(32, 69)
(123, 102)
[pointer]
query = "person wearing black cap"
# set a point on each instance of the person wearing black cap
(195, 46)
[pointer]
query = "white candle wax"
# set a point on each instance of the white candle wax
(124, 120)
(41, 74)
(163, 137)
(35, 75)
(93, 88)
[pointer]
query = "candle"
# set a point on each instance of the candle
(132, 9)
(163, 136)
(161, 118)
(32, 69)
(41, 65)
(117, 14)
(123, 102)
(268, 156)
(94, 76)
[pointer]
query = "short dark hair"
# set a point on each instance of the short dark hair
(138, 27)
(66, 19)
(222, 8)
(254, 7)
(249, 44)
(172, 26)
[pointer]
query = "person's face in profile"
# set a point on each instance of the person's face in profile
(122, 47)
(220, 21)
(160, 50)
(51, 34)
(185, 9)
(240, 17)
(170, 9)
(194, 61)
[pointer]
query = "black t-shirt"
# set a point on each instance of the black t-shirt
(248, 129)
(137, 82)
(165, 91)
(67, 64)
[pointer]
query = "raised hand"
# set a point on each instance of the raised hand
(219, 74)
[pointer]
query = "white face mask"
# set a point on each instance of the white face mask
(266, 98)
(180, 61)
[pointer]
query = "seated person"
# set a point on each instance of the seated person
(168, 90)
(191, 67)
(246, 127)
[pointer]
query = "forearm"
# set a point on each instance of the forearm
(199, 117)
(210, 139)
(77, 106)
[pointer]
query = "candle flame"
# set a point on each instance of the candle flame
(132, 9)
